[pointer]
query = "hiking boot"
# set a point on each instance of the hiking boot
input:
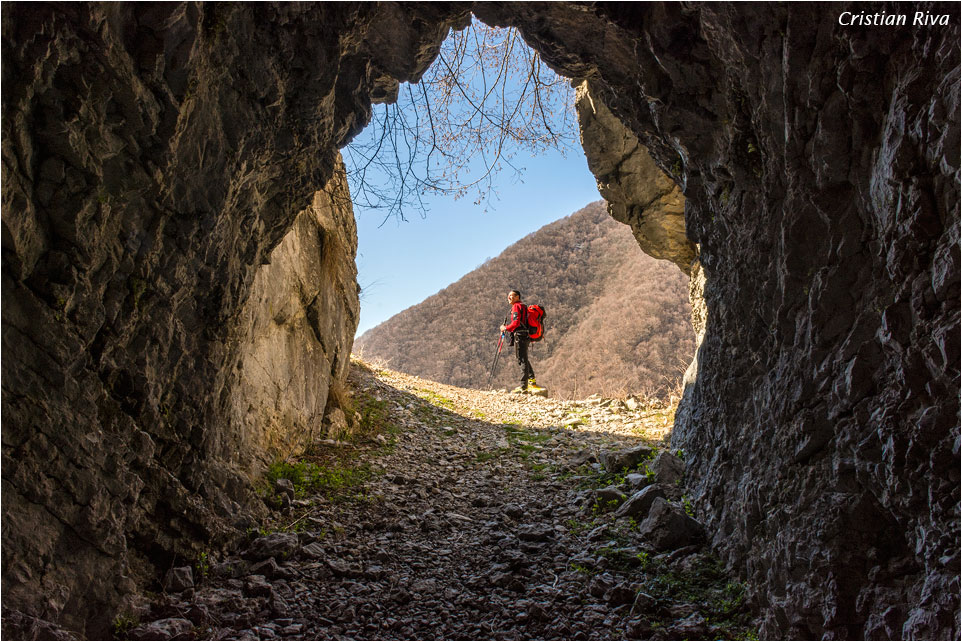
(533, 386)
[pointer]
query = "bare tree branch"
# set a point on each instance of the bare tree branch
(486, 98)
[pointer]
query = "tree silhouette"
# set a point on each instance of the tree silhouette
(487, 97)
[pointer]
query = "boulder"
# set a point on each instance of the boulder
(667, 527)
(639, 504)
(643, 604)
(257, 586)
(616, 461)
(606, 498)
(668, 468)
(179, 579)
(637, 481)
(281, 546)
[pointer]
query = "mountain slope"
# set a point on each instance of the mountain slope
(617, 319)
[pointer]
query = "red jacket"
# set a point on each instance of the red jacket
(519, 313)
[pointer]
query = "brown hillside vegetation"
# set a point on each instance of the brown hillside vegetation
(618, 321)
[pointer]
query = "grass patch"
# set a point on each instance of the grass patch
(435, 399)
(533, 437)
(488, 455)
(706, 583)
(375, 415)
(310, 478)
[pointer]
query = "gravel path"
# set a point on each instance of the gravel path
(464, 514)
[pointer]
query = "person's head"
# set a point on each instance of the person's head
(514, 296)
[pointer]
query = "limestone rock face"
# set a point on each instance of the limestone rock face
(820, 168)
(299, 324)
(154, 156)
(636, 190)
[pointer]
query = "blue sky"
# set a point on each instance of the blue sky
(402, 263)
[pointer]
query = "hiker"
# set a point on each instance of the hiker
(519, 331)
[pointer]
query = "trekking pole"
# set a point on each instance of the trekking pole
(494, 366)
(497, 355)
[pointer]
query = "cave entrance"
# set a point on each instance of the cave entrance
(473, 182)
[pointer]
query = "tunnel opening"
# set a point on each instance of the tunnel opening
(486, 107)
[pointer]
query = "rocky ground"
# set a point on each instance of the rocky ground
(460, 514)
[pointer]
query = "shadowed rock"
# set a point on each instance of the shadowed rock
(667, 527)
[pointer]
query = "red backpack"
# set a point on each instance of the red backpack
(535, 321)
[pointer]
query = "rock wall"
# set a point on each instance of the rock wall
(820, 164)
(297, 329)
(638, 193)
(154, 156)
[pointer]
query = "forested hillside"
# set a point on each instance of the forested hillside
(618, 320)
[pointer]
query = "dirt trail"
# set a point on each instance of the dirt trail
(462, 514)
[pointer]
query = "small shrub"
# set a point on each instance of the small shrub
(123, 623)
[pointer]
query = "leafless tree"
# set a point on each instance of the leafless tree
(486, 98)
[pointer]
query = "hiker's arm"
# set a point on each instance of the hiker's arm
(515, 318)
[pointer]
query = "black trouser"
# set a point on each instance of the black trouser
(521, 351)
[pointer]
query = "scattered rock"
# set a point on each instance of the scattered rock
(167, 629)
(694, 627)
(600, 585)
(179, 579)
(668, 468)
(606, 499)
(638, 629)
(535, 532)
(459, 548)
(582, 457)
(638, 505)
(313, 551)
(620, 594)
(637, 481)
(278, 605)
(284, 487)
(277, 545)
(644, 604)
(616, 461)
(269, 569)
(257, 586)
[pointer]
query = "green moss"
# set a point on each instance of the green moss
(706, 584)
(375, 415)
(123, 623)
(310, 478)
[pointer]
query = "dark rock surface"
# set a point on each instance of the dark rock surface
(154, 156)
(667, 527)
(820, 166)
